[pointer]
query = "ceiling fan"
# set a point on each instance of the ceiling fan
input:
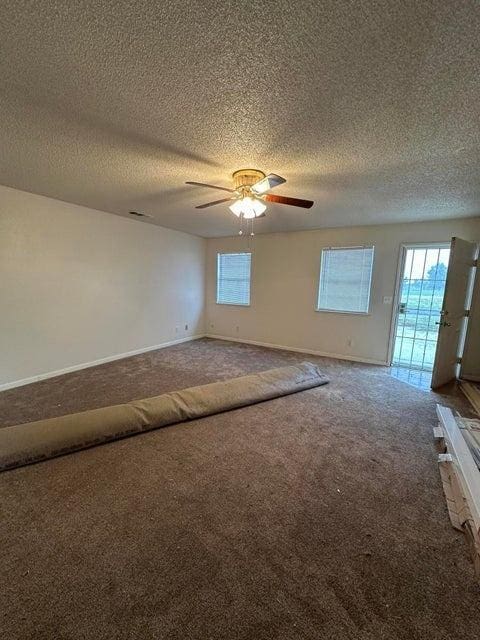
(250, 193)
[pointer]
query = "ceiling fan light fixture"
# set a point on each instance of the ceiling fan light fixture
(236, 208)
(248, 207)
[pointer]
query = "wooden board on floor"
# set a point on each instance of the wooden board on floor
(472, 392)
(460, 479)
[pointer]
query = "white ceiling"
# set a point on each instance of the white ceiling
(370, 108)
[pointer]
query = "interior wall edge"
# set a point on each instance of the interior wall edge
(323, 354)
(94, 363)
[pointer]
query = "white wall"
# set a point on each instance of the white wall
(285, 270)
(78, 285)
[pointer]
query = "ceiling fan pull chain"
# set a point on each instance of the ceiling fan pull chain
(250, 234)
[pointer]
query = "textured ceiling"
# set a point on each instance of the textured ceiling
(370, 108)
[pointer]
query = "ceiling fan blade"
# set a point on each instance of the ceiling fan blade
(210, 186)
(269, 182)
(210, 204)
(294, 202)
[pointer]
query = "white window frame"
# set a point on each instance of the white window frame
(347, 312)
(233, 304)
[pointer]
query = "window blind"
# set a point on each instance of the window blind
(233, 278)
(345, 279)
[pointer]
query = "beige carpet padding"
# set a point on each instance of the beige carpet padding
(35, 441)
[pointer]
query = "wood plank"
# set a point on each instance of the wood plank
(474, 544)
(472, 393)
(439, 438)
(473, 445)
(456, 504)
(467, 471)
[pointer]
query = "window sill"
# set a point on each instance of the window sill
(347, 313)
(233, 304)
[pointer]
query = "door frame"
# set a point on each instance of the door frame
(473, 301)
(398, 280)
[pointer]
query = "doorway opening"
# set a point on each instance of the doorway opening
(423, 274)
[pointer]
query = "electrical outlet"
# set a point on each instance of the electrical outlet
(349, 342)
(212, 326)
(237, 329)
(186, 327)
(176, 329)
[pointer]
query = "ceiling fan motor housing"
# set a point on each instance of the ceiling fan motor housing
(246, 178)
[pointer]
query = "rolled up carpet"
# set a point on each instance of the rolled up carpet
(35, 441)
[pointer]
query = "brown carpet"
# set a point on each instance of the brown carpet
(317, 515)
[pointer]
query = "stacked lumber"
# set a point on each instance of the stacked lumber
(472, 392)
(458, 442)
(471, 432)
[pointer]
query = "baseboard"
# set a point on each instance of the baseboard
(470, 378)
(323, 354)
(127, 354)
(94, 363)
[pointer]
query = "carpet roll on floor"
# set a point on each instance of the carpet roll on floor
(36, 441)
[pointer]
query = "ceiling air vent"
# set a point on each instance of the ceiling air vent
(139, 214)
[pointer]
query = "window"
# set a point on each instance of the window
(345, 279)
(233, 278)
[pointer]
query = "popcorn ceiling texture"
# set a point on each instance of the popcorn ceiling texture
(369, 108)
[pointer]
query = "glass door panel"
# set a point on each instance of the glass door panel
(421, 295)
